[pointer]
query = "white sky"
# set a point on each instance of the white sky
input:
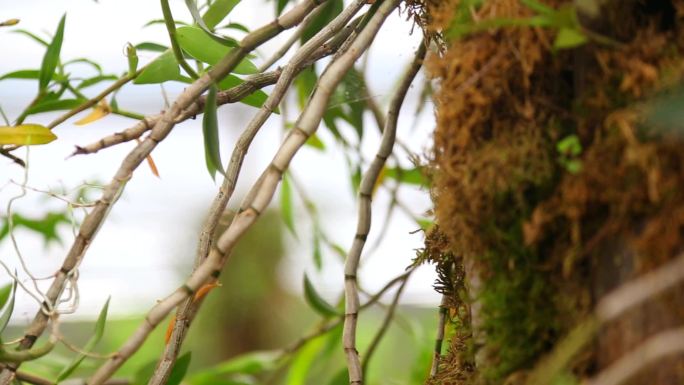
(149, 234)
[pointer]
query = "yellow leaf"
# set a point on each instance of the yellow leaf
(26, 135)
(98, 112)
(150, 162)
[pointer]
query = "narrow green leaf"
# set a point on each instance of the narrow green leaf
(192, 7)
(95, 80)
(569, 38)
(331, 9)
(202, 47)
(286, 204)
(237, 26)
(7, 313)
(317, 302)
(32, 36)
(317, 254)
(89, 346)
(21, 74)
(83, 60)
(26, 135)
(132, 56)
(248, 363)
(5, 292)
(537, 6)
(51, 57)
(412, 176)
(340, 378)
(161, 69)
(180, 368)
(315, 142)
(218, 11)
(212, 153)
(144, 373)
(300, 368)
(280, 6)
(255, 99)
(149, 46)
(55, 105)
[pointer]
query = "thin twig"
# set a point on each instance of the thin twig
(439, 340)
(188, 309)
(364, 216)
(112, 192)
(389, 315)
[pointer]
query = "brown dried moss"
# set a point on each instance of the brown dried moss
(533, 230)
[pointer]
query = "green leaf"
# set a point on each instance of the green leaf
(132, 56)
(286, 204)
(305, 83)
(212, 153)
(54, 105)
(21, 74)
(32, 36)
(161, 69)
(248, 363)
(569, 38)
(218, 10)
(300, 368)
(95, 80)
(26, 135)
(51, 57)
(538, 7)
(330, 10)
(149, 46)
(180, 368)
(87, 61)
(255, 99)
(89, 346)
(7, 314)
(202, 47)
(46, 226)
(144, 373)
(315, 142)
(412, 176)
(5, 292)
(192, 7)
(340, 378)
(237, 26)
(317, 302)
(317, 254)
(570, 145)
(280, 6)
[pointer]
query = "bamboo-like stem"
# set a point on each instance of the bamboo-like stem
(188, 309)
(258, 197)
(439, 340)
(171, 28)
(232, 95)
(290, 41)
(649, 352)
(364, 217)
(111, 193)
(389, 315)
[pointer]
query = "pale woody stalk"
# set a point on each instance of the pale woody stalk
(259, 196)
(93, 221)
(364, 220)
(187, 310)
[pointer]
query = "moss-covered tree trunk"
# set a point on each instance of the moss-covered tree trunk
(554, 184)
